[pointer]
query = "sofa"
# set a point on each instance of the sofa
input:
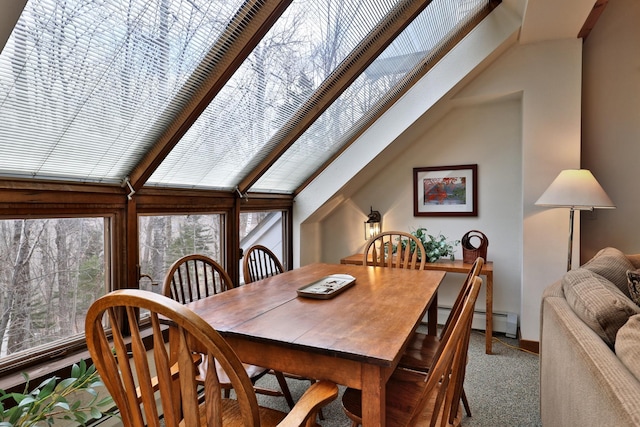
(590, 345)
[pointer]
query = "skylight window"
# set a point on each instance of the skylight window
(292, 60)
(84, 86)
(370, 94)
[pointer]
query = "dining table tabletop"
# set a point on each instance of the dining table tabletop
(355, 338)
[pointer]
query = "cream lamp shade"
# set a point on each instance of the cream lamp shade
(576, 189)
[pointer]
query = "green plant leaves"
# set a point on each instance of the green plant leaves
(73, 398)
(436, 247)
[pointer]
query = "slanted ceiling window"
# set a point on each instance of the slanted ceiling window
(95, 91)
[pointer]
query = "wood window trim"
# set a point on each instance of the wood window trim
(60, 364)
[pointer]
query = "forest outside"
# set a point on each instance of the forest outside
(51, 270)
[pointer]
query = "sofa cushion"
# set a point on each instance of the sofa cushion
(611, 264)
(628, 345)
(633, 279)
(598, 303)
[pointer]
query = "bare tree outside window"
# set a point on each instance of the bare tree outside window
(164, 239)
(50, 272)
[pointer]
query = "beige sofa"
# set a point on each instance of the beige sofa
(590, 346)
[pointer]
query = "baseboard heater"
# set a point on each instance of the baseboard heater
(506, 323)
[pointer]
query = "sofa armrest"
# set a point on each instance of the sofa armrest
(582, 382)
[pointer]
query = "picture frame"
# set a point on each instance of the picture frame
(445, 191)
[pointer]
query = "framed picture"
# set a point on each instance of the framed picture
(445, 191)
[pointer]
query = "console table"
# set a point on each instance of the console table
(457, 266)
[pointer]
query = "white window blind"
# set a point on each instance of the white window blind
(86, 87)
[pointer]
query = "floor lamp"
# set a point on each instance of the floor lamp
(576, 189)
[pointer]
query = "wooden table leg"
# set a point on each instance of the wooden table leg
(489, 315)
(373, 396)
(432, 316)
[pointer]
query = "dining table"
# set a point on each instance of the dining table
(354, 338)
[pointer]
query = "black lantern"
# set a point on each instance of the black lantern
(373, 224)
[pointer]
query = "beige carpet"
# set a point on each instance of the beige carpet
(502, 388)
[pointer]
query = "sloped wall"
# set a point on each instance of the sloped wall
(489, 135)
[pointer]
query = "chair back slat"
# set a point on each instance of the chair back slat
(259, 263)
(141, 364)
(194, 277)
(164, 380)
(395, 249)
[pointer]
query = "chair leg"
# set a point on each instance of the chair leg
(465, 403)
(285, 388)
(320, 414)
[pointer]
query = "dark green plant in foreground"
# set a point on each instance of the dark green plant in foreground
(74, 399)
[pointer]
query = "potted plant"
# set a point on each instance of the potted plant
(436, 247)
(74, 399)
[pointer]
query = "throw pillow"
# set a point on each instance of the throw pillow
(633, 279)
(611, 264)
(627, 348)
(598, 303)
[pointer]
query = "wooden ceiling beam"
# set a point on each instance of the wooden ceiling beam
(337, 82)
(241, 36)
(593, 17)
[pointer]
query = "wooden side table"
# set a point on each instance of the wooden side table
(457, 266)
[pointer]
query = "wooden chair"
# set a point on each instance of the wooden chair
(197, 276)
(395, 249)
(418, 399)
(259, 262)
(194, 277)
(138, 384)
(421, 349)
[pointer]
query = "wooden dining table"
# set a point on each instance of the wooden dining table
(356, 338)
(457, 266)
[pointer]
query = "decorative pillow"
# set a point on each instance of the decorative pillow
(627, 348)
(633, 279)
(611, 264)
(598, 303)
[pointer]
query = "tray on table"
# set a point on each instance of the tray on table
(327, 287)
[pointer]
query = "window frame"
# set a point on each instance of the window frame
(52, 199)
(73, 343)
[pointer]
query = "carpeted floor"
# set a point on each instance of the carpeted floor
(502, 388)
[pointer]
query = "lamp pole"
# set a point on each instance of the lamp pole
(571, 212)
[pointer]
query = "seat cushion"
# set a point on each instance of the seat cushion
(627, 348)
(611, 264)
(598, 303)
(420, 352)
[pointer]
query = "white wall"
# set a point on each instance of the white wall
(487, 134)
(549, 75)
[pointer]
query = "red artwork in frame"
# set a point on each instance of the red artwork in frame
(445, 191)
